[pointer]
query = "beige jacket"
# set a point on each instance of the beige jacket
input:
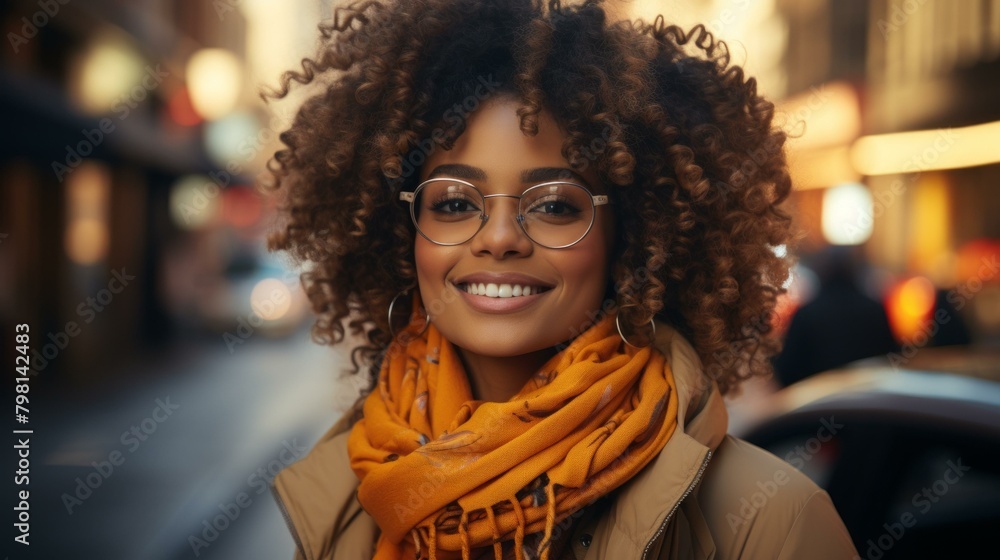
(707, 496)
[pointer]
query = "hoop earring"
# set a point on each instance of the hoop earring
(618, 324)
(427, 316)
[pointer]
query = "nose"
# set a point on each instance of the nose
(501, 236)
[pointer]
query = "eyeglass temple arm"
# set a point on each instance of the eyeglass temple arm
(407, 196)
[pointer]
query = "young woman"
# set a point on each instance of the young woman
(555, 234)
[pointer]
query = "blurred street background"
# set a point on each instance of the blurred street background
(172, 372)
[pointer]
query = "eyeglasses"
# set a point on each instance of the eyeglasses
(555, 215)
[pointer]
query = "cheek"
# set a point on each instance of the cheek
(587, 272)
(433, 263)
(423, 258)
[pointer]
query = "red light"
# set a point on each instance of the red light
(241, 207)
(180, 108)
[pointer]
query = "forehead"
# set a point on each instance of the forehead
(494, 153)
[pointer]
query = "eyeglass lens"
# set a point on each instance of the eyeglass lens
(556, 214)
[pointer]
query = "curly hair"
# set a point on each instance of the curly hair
(679, 135)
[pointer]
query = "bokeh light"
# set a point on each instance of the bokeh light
(847, 214)
(86, 241)
(87, 190)
(271, 299)
(107, 71)
(929, 239)
(910, 305)
(194, 201)
(215, 79)
(924, 150)
(232, 139)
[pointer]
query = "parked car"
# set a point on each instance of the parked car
(909, 449)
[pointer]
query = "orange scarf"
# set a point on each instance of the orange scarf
(441, 471)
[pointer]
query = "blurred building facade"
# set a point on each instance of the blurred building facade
(133, 137)
(920, 80)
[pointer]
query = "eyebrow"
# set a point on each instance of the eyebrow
(536, 175)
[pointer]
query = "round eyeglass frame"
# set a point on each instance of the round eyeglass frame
(595, 201)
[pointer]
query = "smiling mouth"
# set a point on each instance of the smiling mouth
(492, 290)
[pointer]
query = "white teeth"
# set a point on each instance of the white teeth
(500, 290)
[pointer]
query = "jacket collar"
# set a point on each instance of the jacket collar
(317, 493)
(648, 500)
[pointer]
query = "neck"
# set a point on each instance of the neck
(497, 379)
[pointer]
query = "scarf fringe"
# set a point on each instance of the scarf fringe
(497, 544)
(550, 521)
(463, 532)
(432, 545)
(519, 532)
(544, 546)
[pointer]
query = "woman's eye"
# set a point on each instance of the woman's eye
(454, 206)
(554, 208)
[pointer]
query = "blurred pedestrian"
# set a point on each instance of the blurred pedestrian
(840, 324)
(951, 329)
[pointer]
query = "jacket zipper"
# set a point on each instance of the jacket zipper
(690, 488)
(288, 519)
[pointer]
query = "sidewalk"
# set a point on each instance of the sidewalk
(173, 461)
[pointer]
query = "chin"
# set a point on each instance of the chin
(500, 344)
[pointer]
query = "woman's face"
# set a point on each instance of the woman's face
(567, 284)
